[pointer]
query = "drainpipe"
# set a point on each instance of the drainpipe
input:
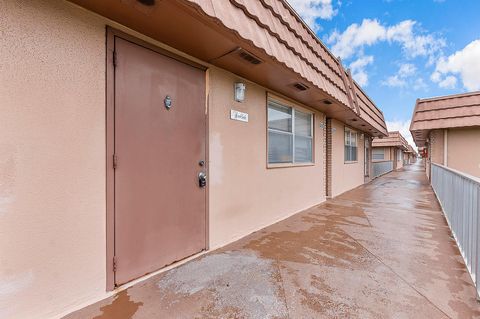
(328, 159)
(445, 147)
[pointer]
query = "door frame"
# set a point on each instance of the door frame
(111, 33)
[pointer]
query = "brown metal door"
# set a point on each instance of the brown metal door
(160, 209)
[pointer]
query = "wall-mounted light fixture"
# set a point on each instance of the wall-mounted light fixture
(239, 92)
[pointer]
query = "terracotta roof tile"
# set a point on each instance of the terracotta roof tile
(394, 139)
(274, 27)
(459, 110)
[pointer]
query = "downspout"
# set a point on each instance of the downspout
(328, 155)
(445, 147)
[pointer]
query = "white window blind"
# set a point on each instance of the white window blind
(350, 145)
(378, 153)
(290, 138)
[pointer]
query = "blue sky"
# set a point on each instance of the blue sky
(401, 50)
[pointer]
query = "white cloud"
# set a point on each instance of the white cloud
(358, 69)
(405, 71)
(311, 10)
(355, 37)
(450, 82)
(465, 63)
(420, 84)
(403, 127)
(370, 32)
(395, 81)
(413, 44)
(436, 77)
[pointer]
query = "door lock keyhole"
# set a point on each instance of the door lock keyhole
(202, 179)
(167, 102)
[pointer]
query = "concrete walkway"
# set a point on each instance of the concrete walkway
(382, 250)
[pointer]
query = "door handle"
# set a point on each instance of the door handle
(202, 179)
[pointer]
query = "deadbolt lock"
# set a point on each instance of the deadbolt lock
(202, 179)
(168, 102)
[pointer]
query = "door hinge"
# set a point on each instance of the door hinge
(114, 58)
(114, 265)
(115, 161)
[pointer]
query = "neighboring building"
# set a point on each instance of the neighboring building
(135, 135)
(410, 155)
(449, 129)
(388, 153)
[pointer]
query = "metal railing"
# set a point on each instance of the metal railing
(380, 168)
(459, 195)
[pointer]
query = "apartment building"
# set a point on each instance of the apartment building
(447, 128)
(138, 133)
(388, 153)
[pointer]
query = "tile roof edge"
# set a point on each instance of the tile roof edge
(447, 97)
(299, 19)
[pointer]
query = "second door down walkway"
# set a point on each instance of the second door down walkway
(382, 250)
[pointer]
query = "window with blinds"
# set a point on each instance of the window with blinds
(378, 153)
(350, 145)
(290, 134)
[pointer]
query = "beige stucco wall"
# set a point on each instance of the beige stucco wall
(436, 146)
(463, 150)
(345, 176)
(52, 158)
(244, 194)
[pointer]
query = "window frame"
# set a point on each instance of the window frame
(294, 108)
(345, 140)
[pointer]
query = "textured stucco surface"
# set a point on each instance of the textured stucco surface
(52, 148)
(437, 146)
(345, 176)
(464, 150)
(52, 160)
(244, 194)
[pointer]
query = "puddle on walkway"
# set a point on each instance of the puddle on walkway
(121, 307)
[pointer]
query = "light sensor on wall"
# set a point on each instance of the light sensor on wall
(239, 94)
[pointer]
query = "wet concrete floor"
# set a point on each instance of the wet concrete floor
(382, 250)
